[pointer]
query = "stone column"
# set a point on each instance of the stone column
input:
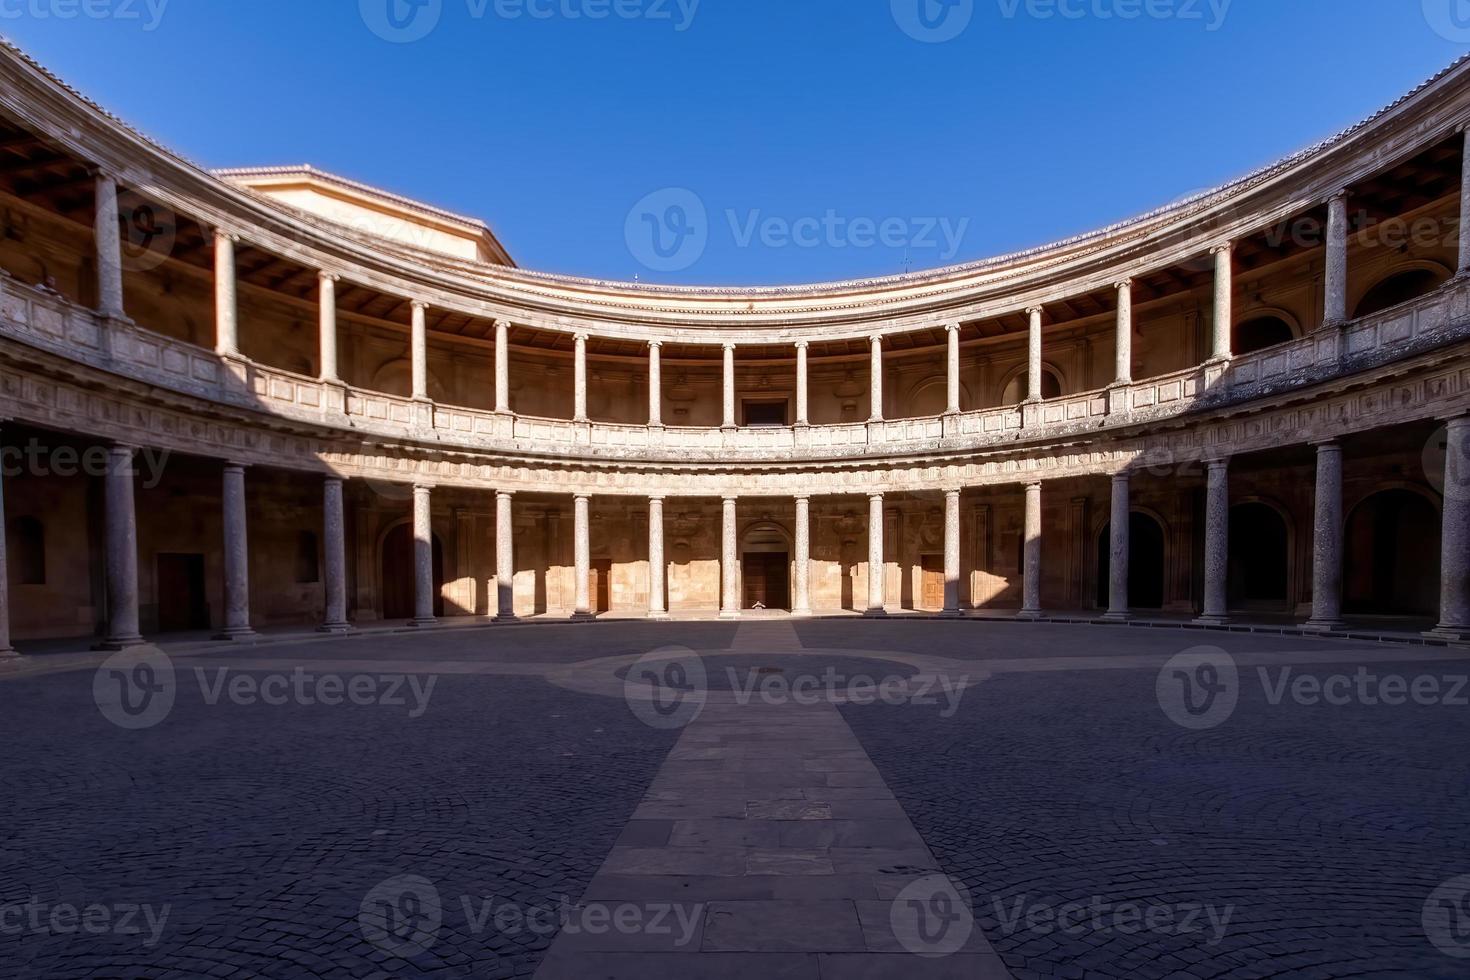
(423, 557)
(801, 596)
(579, 378)
(952, 552)
(1224, 318)
(1217, 543)
(952, 404)
(875, 377)
(729, 388)
(420, 351)
(502, 367)
(1123, 344)
(1335, 277)
(226, 300)
(657, 566)
(1454, 569)
(1031, 555)
(1118, 550)
(505, 566)
(1464, 269)
(655, 384)
(6, 650)
(334, 555)
(327, 325)
(876, 570)
(122, 552)
(582, 555)
(729, 561)
(109, 249)
(1327, 541)
(803, 415)
(1033, 355)
(236, 556)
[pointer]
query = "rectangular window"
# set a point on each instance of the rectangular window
(764, 414)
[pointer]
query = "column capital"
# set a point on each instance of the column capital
(580, 337)
(656, 498)
(334, 478)
(727, 347)
(1123, 476)
(325, 276)
(876, 339)
(234, 464)
(1035, 310)
(875, 496)
(98, 172)
(419, 304)
(953, 491)
(1217, 462)
(1341, 194)
(1222, 247)
(802, 498)
(582, 496)
(421, 487)
(655, 344)
(1123, 284)
(1033, 484)
(225, 235)
(501, 323)
(952, 327)
(504, 494)
(1327, 445)
(1455, 421)
(802, 344)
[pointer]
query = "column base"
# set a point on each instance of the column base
(729, 614)
(1449, 634)
(424, 622)
(1029, 614)
(875, 613)
(506, 618)
(1211, 620)
(802, 614)
(1115, 617)
(583, 617)
(336, 628)
(1324, 625)
(658, 617)
(113, 644)
(9, 653)
(235, 634)
(951, 614)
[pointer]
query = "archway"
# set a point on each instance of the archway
(1400, 287)
(397, 574)
(1391, 564)
(1258, 569)
(1018, 386)
(765, 567)
(1145, 563)
(1260, 332)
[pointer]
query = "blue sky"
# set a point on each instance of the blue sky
(760, 141)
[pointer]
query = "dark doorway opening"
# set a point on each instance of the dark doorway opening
(1257, 570)
(600, 587)
(1260, 333)
(1392, 562)
(1398, 288)
(764, 414)
(398, 574)
(1145, 563)
(182, 602)
(767, 578)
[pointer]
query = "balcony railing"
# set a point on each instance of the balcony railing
(49, 322)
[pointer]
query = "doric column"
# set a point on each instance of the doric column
(6, 650)
(122, 551)
(1217, 543)
(1031, 555)
(876, 570)
(226, 301)
(502, 366)
(1465, 208)
(1123, 344)
(801, 597)
(952, 552)
(1118, 549)
(728, 416)
(875, 376)
(505, 565)
(1327, 541)
(236, 556)
(952, 361)
(655, 383)
(1033, 355)
(729, 562)
(109, 248)
(334, 555)
(1224, 318)
(1454, 571)
(1335, 277)
(582, 555)
(327, 325)
(579, 378)
(803, 414)
(657, 568)
(419, 351)
(423, 557)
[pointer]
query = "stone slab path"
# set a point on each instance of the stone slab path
(769, 845)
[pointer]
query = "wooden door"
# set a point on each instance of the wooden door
(767, 580)
(931, 594)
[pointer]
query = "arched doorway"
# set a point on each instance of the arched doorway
(1145, 563)
(1399, 288)
(1260, 332)
(1015, 391)
(1258, 569)
(765, 568)
(1391, 565)
(397, 574)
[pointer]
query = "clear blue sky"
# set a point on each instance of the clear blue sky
(1028, 126)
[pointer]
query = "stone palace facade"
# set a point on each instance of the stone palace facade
(243, 399)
